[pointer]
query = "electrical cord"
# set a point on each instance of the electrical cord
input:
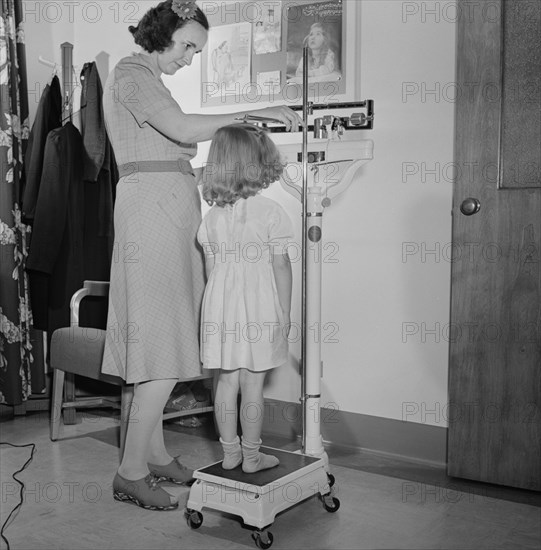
(20, 503)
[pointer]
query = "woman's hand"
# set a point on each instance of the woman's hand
(289, 117)
(198, 174)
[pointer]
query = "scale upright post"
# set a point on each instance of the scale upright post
(304, 201)
(312, 217)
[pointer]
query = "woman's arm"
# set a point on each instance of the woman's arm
(191, 128)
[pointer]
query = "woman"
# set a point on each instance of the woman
(157, 275)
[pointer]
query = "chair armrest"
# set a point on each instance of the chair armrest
(90, 288)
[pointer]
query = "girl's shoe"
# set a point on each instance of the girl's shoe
(253, 460)
(174, 472)
(232, 453)
(143, 492)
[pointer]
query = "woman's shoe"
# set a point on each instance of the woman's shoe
(174, 472)
(143, 492)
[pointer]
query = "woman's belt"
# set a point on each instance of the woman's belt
(180, 165)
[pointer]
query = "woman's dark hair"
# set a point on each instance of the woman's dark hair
(155, 29)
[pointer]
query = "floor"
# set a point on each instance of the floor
(384, 503)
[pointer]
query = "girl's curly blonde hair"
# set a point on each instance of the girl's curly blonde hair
(242, 161)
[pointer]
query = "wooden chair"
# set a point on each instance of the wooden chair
(77, 350)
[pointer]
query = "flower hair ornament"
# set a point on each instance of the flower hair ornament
(185, 10)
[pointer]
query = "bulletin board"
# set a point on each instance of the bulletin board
(255, 48)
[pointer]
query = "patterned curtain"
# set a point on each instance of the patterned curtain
(21, 363)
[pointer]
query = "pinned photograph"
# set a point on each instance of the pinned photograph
(268, 29)
(268, 83)
(229, 58)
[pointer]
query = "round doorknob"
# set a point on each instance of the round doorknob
(470, 206)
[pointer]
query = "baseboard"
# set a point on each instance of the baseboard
(6, 412)
(405, 440)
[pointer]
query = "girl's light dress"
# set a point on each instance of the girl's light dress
(242, 323)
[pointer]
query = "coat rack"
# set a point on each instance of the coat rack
(67, 80)
(67, 73)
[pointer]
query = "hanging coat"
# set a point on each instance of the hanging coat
(55, 262)
(48, 117)
(100, 175)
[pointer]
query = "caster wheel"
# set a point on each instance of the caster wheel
(194, 518)
(330, 479)
(69, 416)
(263, 539)
(331, 504)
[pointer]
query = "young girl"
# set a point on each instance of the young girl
(245, 316)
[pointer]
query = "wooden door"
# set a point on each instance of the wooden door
(495, 331)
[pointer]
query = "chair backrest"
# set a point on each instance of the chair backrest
(79, 350)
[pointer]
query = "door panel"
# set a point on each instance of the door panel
(521, 78)
(495, 347)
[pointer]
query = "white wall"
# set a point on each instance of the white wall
(386, 292)
(377, 297)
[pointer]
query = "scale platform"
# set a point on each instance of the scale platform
(258, 497)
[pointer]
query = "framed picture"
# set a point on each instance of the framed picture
(264, 61)
(318, 26)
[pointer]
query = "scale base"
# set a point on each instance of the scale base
(257, 498)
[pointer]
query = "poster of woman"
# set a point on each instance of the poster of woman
(319, 26)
